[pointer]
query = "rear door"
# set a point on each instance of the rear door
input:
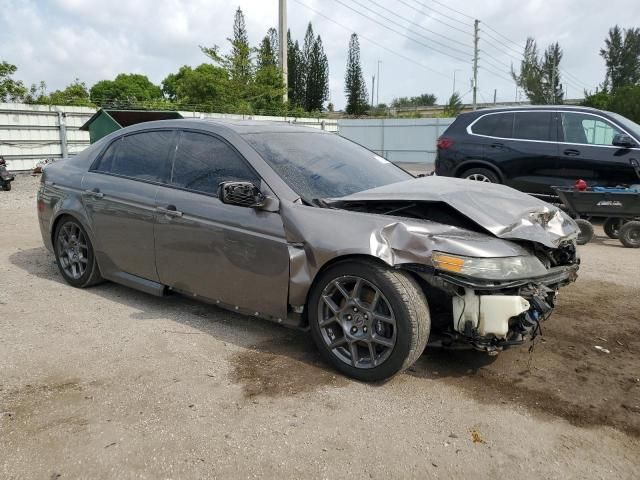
(231, 254)
(119, 198)
(528, 159)
(586, 152)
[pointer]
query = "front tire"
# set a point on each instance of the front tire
(74, 254)
(369, 321)
(6, 186)
(481, 175)
(612, 226)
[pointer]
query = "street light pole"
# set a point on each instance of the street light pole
(378, 77)
(283, 45)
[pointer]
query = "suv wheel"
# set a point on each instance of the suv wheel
(369, 321)
(481, 175)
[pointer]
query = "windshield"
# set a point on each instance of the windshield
(630, 126)
(317, 165)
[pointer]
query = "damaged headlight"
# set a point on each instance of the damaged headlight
(501, 268)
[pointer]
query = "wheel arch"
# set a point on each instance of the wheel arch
(476, 163)
(59, 216)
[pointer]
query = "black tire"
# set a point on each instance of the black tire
(612, 226)
(406, 303)
(630, 234)
(586, 231)
(6, 186)
(481, 175)
(91, 273)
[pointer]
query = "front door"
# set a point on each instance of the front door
(587, 153)
(231, 254)
(119, 198)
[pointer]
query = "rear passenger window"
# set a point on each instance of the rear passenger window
(142, 156)
(532, 126)
(202, 162)
(494, 125)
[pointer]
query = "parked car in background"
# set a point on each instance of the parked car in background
(534, 148)
(307, 229)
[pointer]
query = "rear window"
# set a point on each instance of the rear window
(533, 126)
(494, 125)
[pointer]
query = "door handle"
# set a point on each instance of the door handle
(95, 193)
(571, 152)
(169, 211)
(497, 146)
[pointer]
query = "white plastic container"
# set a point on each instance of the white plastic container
(495, 312)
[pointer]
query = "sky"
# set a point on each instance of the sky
(415, 41)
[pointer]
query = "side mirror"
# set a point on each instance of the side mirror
(243, 194)
(624, 141)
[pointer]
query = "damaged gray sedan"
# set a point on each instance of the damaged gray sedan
(309, 230)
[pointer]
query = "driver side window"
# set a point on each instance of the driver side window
(202, 162)
(587, 129)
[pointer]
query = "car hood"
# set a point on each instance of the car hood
(501, 211)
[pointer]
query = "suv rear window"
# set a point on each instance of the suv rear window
(494, 125)
(533, 126)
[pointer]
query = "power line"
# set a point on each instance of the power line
(414, 23)
(437, 19)
(423, 5)
(406, 36)
(453, 9)
(496, 74)
(349, 29)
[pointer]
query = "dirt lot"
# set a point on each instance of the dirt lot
(112, 383)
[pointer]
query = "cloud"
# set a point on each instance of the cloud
(59, 40)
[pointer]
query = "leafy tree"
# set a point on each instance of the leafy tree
(453, 106)
(626, 101)
(238, 62)
(622, 57)
(206, 85)
(75, 93)
(424, 100)
(599, 100)
(125, 89)
(540, 77)
(354, 85)
(313, 72)
(10, 90)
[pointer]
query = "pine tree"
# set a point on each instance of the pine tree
(355, 87)
(551, 85)
(268, 85)
(295, 72)
(317, 77)
(238, 62)
(622, 58)
(540, 77)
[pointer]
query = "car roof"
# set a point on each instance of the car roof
(516, 108)
(240, 127)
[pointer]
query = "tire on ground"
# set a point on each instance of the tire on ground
(485, 172)
(586, 231)
(408, 303)
(612, 226)
(630, 234)
(92, 274)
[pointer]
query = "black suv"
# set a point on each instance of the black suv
(533, 148)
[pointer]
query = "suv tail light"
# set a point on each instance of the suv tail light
(444, 143)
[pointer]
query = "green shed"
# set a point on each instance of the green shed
(105, 121)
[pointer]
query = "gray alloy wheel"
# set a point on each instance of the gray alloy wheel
(357, 322)
(74, 254)
(481, 175)
(368, 320)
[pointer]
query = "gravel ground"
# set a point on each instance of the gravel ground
(112, 383)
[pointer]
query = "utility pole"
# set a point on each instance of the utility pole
(378, 77)
(373, 88)
(454, 80)
(283, 46)
(476, 35)
(495, 95)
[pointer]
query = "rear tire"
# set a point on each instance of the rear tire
(371, 313)
(630, 234)
(586, 231)
(481, 175)
(612, 226)
(74, 254)
(6, 186)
